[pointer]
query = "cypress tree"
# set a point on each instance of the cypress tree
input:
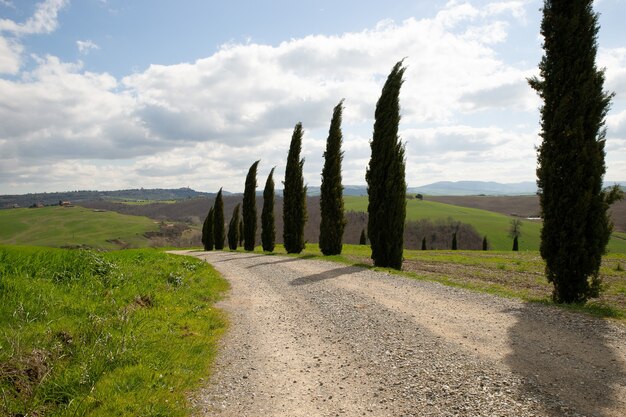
(363, 238)
(386, 183)
(485, 243)
(424, 243)
(332, 222)
(249, 208)
(268, 229)
(207, 231)
(241, 233)
(294, 196)
(454, 247)
(576, 226)
(233, 229)
(515, 231)
(218, 221)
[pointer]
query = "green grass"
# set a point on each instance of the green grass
(73, 226)
(504, 273)
(493, 225)
(101, 334)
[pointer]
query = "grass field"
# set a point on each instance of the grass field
(493, 225)
(505, 273)
(116, 334)
(73, 226)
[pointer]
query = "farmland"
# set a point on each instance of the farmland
(493, 225)
(73, 226)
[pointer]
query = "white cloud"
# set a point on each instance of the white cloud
(10, 60)
(202, 123)
(517, 8)
(85, 46)
(44, 20)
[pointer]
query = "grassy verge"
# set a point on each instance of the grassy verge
(101, 334)
(509, 274)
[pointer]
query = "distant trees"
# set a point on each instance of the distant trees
(249, 208)
(294, 196)
(207, 231)
(515, 231)
(385, 175)
(218, 221)
(485, 243)
(268, 228)
(233, 229)
(331, 199)
(427, 234)
(454, 243)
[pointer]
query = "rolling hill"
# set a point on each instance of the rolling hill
(74, 226)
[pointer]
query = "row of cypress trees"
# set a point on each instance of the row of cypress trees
(386, 188)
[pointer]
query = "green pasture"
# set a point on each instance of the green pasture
(493, 225)
(73, 226)
(120, 333)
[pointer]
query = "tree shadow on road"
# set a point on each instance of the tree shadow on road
(566, 360)
(236, 258)
(333, 273)
(282, 261)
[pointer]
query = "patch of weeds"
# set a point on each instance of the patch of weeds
(175, 279)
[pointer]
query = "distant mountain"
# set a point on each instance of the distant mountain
(353, 190)
(475, 188)
(442, 188)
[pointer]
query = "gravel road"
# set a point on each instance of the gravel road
(314, 338)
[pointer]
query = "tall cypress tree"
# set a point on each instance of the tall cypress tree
(249, 208)
(268, 228)
(233, 229)
(207, 231)
(386, 183)
(576, 226)
(294, 196)
(332, 221)
(218, 221)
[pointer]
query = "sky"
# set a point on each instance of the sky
(116, 94)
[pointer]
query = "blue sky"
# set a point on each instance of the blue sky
(109, 94)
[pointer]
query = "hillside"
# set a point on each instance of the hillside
(494, 225)
(140, 194)
(74, 226)
(522, 206)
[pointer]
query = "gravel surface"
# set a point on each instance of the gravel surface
(314, 338)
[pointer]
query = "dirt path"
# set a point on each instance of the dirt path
(311, 338)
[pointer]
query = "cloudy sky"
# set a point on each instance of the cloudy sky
(112, 94)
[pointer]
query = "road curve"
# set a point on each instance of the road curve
(314, 338)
